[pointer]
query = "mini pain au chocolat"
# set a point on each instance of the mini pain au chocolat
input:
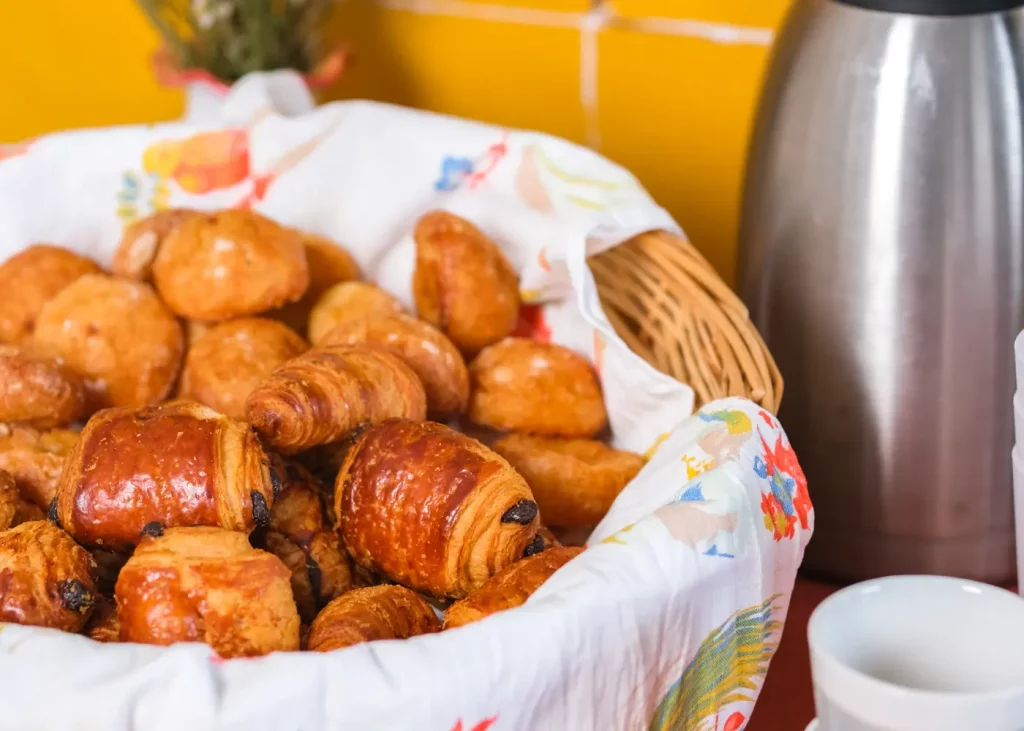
(432, 509)
(45, 578)
(324, 394)
(136, 472)
(204, 584)
(375, 613)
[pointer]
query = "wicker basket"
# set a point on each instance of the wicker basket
(672, 308)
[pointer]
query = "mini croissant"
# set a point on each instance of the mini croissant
(432, 509)
(375, 613)
(327, 392)
(38, 392)
(135, 472)
(35, 459)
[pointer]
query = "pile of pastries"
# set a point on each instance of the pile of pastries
(231, 438)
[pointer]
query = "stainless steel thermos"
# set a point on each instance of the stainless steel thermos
(882, 258)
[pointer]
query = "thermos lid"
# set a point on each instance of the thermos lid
(936, 7)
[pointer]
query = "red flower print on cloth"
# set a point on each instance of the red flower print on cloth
(787, 500)
(531, 324)
(481, 726)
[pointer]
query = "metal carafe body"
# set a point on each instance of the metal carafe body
(882, 258)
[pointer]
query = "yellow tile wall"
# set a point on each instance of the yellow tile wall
(673, 106)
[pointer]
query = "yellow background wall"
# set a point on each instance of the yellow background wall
(672, 106)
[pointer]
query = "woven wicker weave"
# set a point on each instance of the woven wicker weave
(670, 307)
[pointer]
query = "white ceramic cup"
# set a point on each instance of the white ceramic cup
(918, 653)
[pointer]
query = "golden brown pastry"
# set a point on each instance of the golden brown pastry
(432, 509)
(45, 578)
(35, 459)
(509, 588)
(26, 512)
(103, 625)
(9, 498)
(136, 472)
(423, 348)
(225, 364)
(36, 391)
(544, 540)
(462, 283)
(329, 264)
(575, 481)
(301, 538)
(30, 279)
(107, 566)
(348, 301)
(374, 613)
(327, 392)
(523, 385)
(117, 335)
(142, 239)
(204, 584)
(228, 264)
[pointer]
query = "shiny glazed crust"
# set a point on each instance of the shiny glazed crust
(30, 279)
(230, 359)
(575, 481)
(329, 264)
(9, 498)
(346, 302)
(374, 613)
(524, 385)
(509, 588)
(45, 578)
(177, 464)
(228, 264)
(142, 239)
(462, 283)
(117, 336)
(422, 347)
(209, 585)
(432, 509)
(35, 459)
(37, 392)
(322, 395)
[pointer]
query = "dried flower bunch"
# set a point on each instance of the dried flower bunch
(230, 38)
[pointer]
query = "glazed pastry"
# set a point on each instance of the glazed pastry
(26, 512)
(228, 264)
(575, 481)
(136, 472)
(462, 283)
(37, 392)
(103, 625)
(329, 264)
(348, 301)
(35, 459)
(115, 334)
(432, 509)
(299, 536)
(324, 394)
(544, 540)
(142, 239)
(373, 613)
(523, 385)
(45, 578)
(194, 330)
(30, 279)
(204, 584)
(227, 362)
(9, 499)
(509, 588)
(423, 348)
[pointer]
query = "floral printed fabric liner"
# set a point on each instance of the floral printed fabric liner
(667, 621)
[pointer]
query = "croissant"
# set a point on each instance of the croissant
(229, 264)
(135, 472)
(35, 459)
(37, 392)
(26, 512)
(45, 578)
(509, 588)
(462, 283)
(204, 584)
(375, 613)
(142, 239)
(432, 509)
(575, 481)
(103, 625)
(30, 279)
(329, 264)
(225, 363)
(544, 540)
(9, 498)
(346, 302)
(422, 347)
(524, 385)
(324, 394)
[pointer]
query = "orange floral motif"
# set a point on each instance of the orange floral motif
(542, 259)
(599, 346)
(201, 163)
(787, 502)
(480, 726)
